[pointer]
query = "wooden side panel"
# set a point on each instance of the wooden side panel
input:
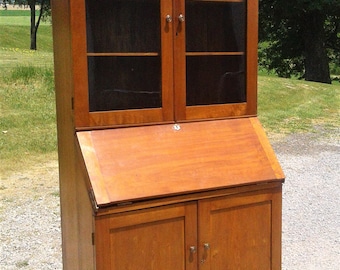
(277, 228)
(157, 238)
(85, 222)
(64, 91)
(243, 232)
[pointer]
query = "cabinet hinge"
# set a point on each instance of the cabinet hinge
(72, 103)
(92, 239)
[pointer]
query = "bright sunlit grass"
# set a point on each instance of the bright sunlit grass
(27, 116)
(289, 106)
(15, 31)
(27, 99)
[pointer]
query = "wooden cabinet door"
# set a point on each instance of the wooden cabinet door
(240, 232)
(156, 238)
(122, 61)
(150, 61)
(215, 50)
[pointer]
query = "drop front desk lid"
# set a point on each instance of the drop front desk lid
(139, 163)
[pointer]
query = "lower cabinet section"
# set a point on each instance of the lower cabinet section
(216, 232)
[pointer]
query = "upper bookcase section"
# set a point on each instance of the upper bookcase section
(152, 61)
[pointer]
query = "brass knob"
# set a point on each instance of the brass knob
(181, 18)
(168, 18)
(192, 249)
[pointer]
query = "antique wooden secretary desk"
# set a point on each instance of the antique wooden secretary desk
(163, 162)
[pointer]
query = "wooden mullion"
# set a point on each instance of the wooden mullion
(179, 61)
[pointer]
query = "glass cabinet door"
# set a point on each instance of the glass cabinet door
(156, 61)
(220, 59)
(215, 52)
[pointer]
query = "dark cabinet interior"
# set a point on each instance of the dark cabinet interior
(128, 86)
(215, 52)
(125, 61)
(117, 31)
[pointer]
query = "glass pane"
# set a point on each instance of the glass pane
(215, 26)
(215, 80)
(117, 83)
(215, 52)
(123, 25)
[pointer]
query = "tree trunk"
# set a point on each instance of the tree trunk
(35, 25)
(316, 59)
(33, 45)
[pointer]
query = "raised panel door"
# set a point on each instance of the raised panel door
(240, 232)
(156, 238)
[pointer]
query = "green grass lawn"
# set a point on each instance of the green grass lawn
(27, 99)
(27, 104)
(15, 13)
(289, 106)
(15, 31)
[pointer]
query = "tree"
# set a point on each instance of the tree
(300, 37)
(44, 10)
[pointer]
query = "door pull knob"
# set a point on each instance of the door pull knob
(168, 18)
(192, 249)
(181, 18)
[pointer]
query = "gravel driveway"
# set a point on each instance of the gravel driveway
(30, 216)
(311, 202)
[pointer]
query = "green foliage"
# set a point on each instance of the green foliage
(335, 69)
(290, 28)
